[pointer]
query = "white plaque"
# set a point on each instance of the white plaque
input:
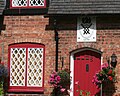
(86, 29)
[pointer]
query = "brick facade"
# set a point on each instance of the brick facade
(108, 33)
(39, 29)
(31, 29)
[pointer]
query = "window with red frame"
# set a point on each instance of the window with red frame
(28, 3)
(26, 68)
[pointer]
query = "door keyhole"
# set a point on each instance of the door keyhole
(87, 67)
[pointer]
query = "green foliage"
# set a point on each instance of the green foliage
(107, 73)
(1, 89)
(3, 78)
(65, 78)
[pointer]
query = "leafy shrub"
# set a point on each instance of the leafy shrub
(3, 78)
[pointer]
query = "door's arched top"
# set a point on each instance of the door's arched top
(85, 49)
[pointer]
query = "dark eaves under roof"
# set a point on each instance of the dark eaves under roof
(2, 6)
(84, 7)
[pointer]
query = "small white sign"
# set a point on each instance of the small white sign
(86, 29)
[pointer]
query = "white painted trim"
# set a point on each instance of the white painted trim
(72, 71)
(101, 68)
(72, 74)
(101, 61)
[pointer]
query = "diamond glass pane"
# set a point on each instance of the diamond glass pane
(17, 66)
(19, 3)
(36, 2)
(35, 67)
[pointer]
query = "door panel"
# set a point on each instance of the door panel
(86, 64)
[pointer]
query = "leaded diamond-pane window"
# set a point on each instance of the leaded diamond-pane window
(17, 66)
(35, 66)
(36, 2)
(28, 3)
(26, 67)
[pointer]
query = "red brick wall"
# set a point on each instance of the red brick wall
(35, 29)
(108, 36)
(30, 29)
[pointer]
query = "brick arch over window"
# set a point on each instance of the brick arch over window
(26, 67)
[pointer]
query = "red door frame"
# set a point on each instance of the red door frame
(25, 88)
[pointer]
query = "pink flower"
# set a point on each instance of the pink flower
(110, 71)
(62, 89)
(54, 72)
(69, 90)
(93, 81)
(77, 82)
(52, 75)
(54, 85)
(57, 78)
(105, 65)
(2, 63)
(110, 78)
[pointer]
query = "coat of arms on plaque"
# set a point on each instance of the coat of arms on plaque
(86, 29)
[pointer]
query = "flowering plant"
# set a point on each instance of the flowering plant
(60, 81)
(106, 73)
(3, 76)
(54, 79)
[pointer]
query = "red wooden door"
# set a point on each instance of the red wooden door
(86, 64)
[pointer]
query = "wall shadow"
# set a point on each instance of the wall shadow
(2, 27)
(69, 22)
